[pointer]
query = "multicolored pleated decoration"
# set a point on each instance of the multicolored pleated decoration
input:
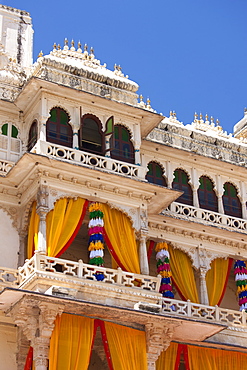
(163, 268)
(240, 272)
(96, 240)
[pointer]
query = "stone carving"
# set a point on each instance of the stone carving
(158, 339)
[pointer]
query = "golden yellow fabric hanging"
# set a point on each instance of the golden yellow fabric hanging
(32, 243)
(183, 274)
(215, 279)
(71, 341)
(61, 223)
(167, 359)
(122, 237)
(127, 347)
(214, 359)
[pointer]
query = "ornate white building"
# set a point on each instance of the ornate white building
(85, 163)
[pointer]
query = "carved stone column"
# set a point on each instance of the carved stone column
(42, 210)
(42, 133)
(37, 323)
(195, 185)
(158, 339)
(203, 286)
(21, 256)
(143, 258)
(137, 155)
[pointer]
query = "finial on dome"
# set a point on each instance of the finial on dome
(217, 122)
(40, 54)
(200, 116)
(72, 45)
(58, 47)
(54, 46)
(85, 47)
(91, 50)
(66, 41)
(174, 114)
(206, 117)
(212, 119)
(195, 116)
(141, 98)
(245, 111)
(79, 46)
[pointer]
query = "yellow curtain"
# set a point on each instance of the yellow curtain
(61, 223)
(127, 347)
(122, 238)
(215, 280)
(183, 274)
(71, 341)
(32, 242)
(167, 359)
(214, 359)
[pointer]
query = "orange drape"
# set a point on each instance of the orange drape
(201, 358)
(216, 279)
(71, 341)
(121, 235)
(167, 359)
(183, 274)
(61, 224)
(127, 347)
(32, 243)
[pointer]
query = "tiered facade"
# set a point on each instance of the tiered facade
(123, 232)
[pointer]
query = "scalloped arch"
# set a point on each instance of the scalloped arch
(90, 115)
(210, 178)
(233, 184)
(127, 128)
(187, 173)
(64, 109)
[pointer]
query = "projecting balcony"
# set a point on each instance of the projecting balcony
(66, 279)
(203, 216)
(89, 160)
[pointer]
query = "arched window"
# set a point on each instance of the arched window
(10, 145)
(155, 174)
(231, 202)
(123, 149)
(206, 194)
(91, 136)
(181, 182)
(9, 130)
(32, 136)
(58, 129)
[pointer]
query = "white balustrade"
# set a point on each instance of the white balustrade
(41, 263)
(206, 217)
(5, 166)
(202, 312)
(89, 159)
(9, 277)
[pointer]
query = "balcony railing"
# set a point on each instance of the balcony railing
(185, 212)
(89, 160)
(82, 270)
(202, 312)
(56, 269)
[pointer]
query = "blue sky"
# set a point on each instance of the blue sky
(186, 56)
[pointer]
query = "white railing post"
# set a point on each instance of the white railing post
(243, 317)
(217, 313)
(189, 312)
(80, 269)
(119, 275)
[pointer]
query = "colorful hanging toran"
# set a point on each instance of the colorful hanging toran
(240, 272)
(163, 268)
(96, 240)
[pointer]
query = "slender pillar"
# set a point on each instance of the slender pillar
(203, 286)
(195, 197)
(42, 210)
(75, 139)
(137, 156)
(143, 257)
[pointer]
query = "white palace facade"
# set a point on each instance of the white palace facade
(123, 232)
